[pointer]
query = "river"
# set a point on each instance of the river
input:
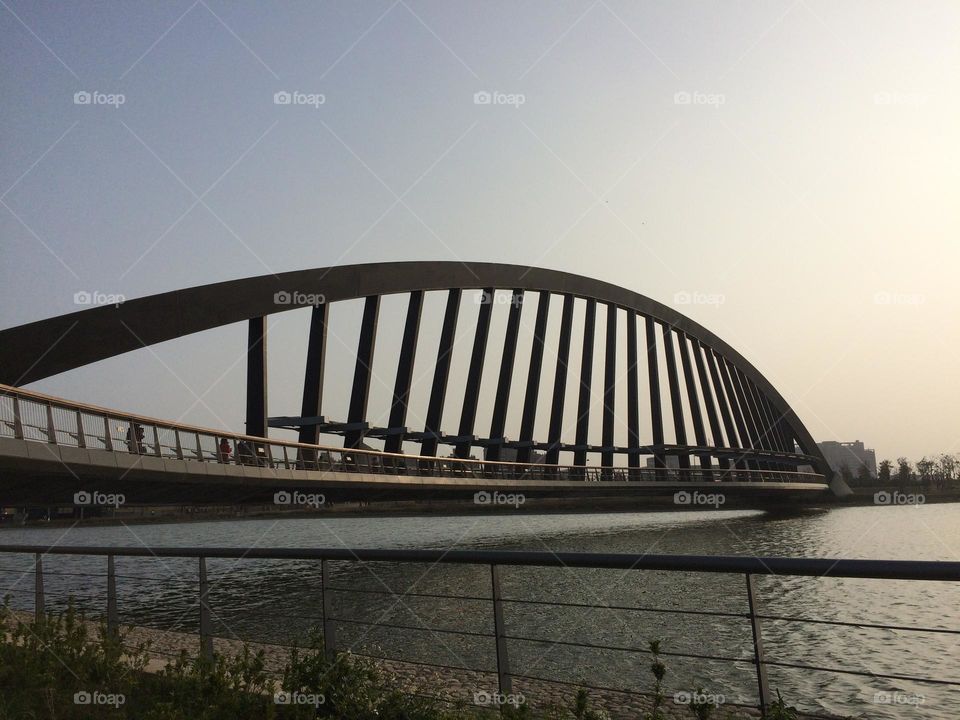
(278, 600)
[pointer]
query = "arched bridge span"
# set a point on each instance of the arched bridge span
(723, 412)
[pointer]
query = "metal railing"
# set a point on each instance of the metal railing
(500, 604)
(28, 415)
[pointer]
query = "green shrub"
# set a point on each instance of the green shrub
(54, 665)
(659, 671)
(49, 667)
(779, 710)
(46, 665)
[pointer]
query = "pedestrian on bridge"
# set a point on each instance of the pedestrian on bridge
(135, 439)
(225, 450)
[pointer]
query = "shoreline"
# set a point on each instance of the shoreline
(655, 504)
(385, 510)
(449, 685)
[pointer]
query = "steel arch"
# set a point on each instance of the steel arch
(743, 409)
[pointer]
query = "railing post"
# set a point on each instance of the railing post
(176, 435)
(38, 605)
(17, 421)
(113, 624)
(156, 442)
(758, 658)
(51, 430)
(206, 636)
(81, 438)
(196, 436)
(329, 630)
(503, 661)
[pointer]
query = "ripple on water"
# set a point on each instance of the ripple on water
(278, 601)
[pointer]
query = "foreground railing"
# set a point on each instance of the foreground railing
(501, 607)
(26, 415)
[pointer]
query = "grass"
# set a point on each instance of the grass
(61, 667)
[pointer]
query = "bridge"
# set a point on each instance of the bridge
(729, 429)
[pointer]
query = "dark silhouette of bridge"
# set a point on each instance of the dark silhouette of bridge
(729, 424)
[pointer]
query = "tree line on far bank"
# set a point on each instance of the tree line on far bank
(940, 473)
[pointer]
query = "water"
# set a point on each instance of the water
(277, 601)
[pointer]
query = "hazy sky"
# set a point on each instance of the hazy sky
(797, 161)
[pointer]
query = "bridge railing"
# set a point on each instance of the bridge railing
(33, 416)
(503, 605)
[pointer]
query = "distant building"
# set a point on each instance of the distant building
(509, 454)
(853, 455)
(671, 461)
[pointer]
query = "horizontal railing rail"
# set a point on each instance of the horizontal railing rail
(809, 567)
(500, 604)
(27, 415)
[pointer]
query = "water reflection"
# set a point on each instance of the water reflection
(279, 600)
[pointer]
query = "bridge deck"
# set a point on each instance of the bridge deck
(52, 448)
